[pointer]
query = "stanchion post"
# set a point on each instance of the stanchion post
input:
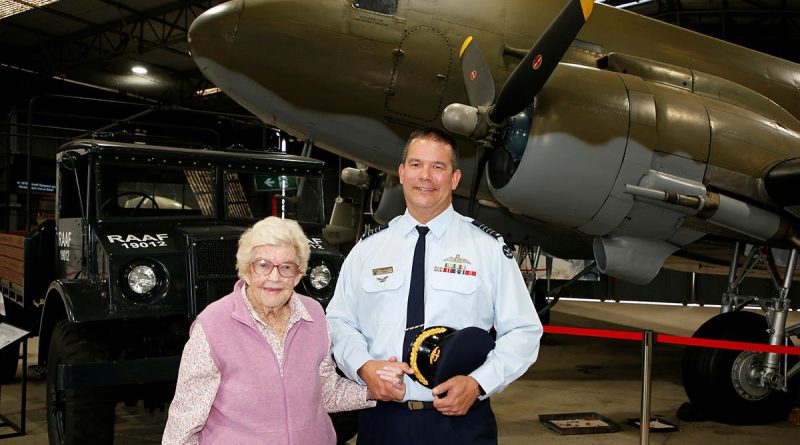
(24, 395)
(647, 365)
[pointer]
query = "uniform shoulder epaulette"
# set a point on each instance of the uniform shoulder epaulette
(495, 234)
(374, 231)
(486, 229)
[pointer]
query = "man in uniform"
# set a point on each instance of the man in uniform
(467, 277)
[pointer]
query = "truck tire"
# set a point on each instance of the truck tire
(9, 358)
(77, 416)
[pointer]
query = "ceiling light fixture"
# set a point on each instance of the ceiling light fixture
(138, 69)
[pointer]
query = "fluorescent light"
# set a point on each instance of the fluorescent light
(11, 7)
(633, 3)
(138, 69)
(208, 91)
(621, 4)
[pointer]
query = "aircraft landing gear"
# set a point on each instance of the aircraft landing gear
(725, 385)
(544, 298)
(536, 288)
(743, 387)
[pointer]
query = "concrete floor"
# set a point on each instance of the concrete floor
(573, 374)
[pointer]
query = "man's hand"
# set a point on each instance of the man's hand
(462, 391)
(384, 378)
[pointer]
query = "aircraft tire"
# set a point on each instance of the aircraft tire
(82, 416)
(707, 374)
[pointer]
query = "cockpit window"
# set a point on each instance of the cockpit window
(388, 7)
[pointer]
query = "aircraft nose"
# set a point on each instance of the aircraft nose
(212, 34)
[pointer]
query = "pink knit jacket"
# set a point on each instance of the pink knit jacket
(254, 403)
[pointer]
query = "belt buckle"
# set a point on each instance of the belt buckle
(414, 405)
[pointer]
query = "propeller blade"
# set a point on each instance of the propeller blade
(478, 79)
(531, 74)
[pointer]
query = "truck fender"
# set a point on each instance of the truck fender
(59, 305)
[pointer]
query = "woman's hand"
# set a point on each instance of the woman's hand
(394, 372)
(378, 388)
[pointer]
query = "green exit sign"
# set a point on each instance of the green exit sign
(267, 183)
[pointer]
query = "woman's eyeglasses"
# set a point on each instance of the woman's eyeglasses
(264, 268)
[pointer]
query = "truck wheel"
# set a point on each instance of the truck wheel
(77, 416)
(9, 358)
(719, 382)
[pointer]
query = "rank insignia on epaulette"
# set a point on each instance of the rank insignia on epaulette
(495, 234)
(374, 231)
(486, 229)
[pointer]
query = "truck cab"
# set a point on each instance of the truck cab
(144, 238)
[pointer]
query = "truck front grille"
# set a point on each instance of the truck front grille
(214, 270)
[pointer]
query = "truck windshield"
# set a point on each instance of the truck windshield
(167, 191)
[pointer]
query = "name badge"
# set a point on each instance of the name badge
(382, 270)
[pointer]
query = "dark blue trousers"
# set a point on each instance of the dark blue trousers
(392, 423)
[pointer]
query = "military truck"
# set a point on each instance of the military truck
(144, 238)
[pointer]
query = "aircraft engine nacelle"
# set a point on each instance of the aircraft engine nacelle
(594, 131)
(574, 151)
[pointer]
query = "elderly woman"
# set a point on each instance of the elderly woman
(257, 367)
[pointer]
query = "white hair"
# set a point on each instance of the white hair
(272, 231)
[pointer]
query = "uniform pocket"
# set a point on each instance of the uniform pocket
(382, 283)
(454, 283)
(385, 297)
(454, 299)
(383, 308)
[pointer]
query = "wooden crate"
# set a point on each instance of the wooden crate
(12, 258)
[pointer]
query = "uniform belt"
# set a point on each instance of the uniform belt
(416, 405)
(411, 405)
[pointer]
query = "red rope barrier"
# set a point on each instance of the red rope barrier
(726, 344)
(673, 339)
(585, 332)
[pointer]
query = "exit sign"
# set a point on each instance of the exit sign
(266, 183)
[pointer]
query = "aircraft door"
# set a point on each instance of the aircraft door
(419, 79)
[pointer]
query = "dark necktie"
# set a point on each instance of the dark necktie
(415, 317)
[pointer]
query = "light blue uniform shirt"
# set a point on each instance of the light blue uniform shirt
(367, 315)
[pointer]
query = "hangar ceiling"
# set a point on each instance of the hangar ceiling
(769, 26)
(97, 42)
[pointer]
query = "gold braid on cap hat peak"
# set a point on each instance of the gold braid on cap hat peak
(415, 346)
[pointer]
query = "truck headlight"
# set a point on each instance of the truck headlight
(320, 276)
(319, 281)
(143, 279)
